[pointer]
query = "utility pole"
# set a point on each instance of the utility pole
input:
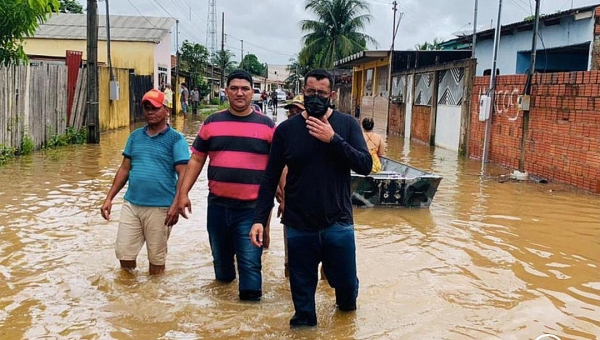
(110, 68)
(223, 48)
(391, 60)
(474, 30)
(492, 91)
(527, 90)
(177, 65)
(92, 114)
(242, 56)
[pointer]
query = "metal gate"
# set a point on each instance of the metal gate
(138, 85)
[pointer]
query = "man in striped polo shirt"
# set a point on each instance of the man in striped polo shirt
(154, 159)
(237, 142)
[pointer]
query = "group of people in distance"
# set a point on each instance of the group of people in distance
(317, 146)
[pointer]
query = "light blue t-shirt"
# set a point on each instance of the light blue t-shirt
(152, 178)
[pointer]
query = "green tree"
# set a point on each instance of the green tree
(427, 46)
(251, 64)
(194, 58)
(70, 6)
(20, 19)
(296, 71)
(336, 32)
(224, 60)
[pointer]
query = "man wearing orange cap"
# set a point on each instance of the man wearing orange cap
(154, 160)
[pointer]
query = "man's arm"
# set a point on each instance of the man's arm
(173, 214)
(190, 175)
(119, 182)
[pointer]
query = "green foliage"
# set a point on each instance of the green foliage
(6, 153)
(202, 84)
(296, 71)
(251, 64)
(427, 46)
(26, 145)
(70, 6)
(224, 59)
(336, 32)
(71, 136)
(20, 19)
(194, 57)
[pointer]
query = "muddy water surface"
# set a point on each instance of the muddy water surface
(488, 260)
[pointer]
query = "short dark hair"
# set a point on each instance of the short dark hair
(368, 124)
(240, 74)
(319, 74)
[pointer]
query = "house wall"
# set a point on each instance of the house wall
(421, 122)
(569, 32)
(113, 114)
(162, 53)
(372, 104)
(563, 139)
(138, 56)
(397, 119)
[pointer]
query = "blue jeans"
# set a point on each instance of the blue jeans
(336, 248)
(229, 236)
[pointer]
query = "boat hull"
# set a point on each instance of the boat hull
(396, 185)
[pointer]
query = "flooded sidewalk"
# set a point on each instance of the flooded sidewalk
(488, 260)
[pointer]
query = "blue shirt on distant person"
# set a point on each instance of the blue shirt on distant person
(152, 179)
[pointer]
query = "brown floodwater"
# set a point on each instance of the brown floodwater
(488, 260)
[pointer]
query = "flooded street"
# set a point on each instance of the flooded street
(487, 260)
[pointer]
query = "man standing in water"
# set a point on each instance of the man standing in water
(320, 147)
(154, 159)
(237, 141)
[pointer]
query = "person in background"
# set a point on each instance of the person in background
(264, 96)
(195, 97)
(154, 159)
(169, 94)
(320, 147)
(184, 97)
(236, 141)
(375, 143)
(222, 95)
(274, 101)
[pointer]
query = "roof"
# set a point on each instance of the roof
(405, 59)
(548, 20)
(122, 28)
(361, 57)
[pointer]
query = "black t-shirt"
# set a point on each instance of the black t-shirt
(317, 191)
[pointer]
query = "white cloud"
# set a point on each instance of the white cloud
(271, 28)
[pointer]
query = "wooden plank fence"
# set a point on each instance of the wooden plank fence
(33, 102)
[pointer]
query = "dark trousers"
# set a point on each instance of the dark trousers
(336, 248)
(195, 107)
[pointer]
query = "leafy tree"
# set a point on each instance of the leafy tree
(427, 46)
(296, 71)
(20, 19)
(336, 32)
(224, 60)
(251, 64)
(194, 59)
(70, 6)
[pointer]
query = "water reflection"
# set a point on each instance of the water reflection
(488, 260)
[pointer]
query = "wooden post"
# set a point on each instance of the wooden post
(92, 119)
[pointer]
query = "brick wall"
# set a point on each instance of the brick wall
(397, 119)
(421, 119)
(563, 139)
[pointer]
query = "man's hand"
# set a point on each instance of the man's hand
(183, 203)
(106, 208)
(173, 214)
(320, 129)
(256, 234)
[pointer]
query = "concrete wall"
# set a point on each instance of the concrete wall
(162, 58)
(138, 56)
(569, 32)
(113, 114)
(563, 139)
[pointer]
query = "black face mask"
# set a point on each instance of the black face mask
(316, 106)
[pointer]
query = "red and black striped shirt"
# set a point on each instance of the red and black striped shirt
(238, 150)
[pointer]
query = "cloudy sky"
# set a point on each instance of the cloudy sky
(270, 29)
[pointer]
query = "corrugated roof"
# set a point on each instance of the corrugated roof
(122, 28)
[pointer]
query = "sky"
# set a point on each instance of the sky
(270, 29)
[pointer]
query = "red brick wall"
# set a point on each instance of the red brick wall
(563, 140)
(421, 119)
(397, 119)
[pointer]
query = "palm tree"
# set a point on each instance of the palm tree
(224, 59)
(296, 70)
(336, 32)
